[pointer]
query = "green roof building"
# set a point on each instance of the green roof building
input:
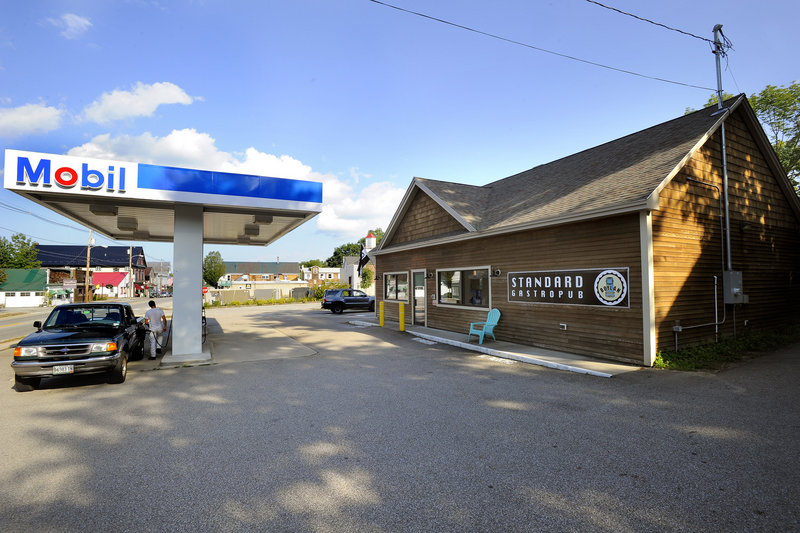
(23, 287)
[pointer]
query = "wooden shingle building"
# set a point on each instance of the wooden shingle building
(616, 252)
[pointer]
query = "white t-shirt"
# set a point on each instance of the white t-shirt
(153, 316)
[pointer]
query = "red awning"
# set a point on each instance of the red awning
(108, 278)
(137, 286)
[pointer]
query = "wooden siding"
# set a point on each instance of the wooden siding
(424, 219)
(609, 332)
(688, 250)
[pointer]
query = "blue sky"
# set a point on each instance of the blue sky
(355, 94)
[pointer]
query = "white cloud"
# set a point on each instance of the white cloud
(72, 26)
(29, 119)
(354, 214)
(348, 212)
(143, 100)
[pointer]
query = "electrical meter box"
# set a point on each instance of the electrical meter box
(732, 287)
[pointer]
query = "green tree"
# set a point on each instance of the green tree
(367, 276)
(18, 252)
(213, 268)
(337, 259)
(712, 100)
(313, 262)
(352, 249)
(778, 110)
(378, 232)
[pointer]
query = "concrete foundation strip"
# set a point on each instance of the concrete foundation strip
(498, 353)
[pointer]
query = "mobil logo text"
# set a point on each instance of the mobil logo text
(80, 175)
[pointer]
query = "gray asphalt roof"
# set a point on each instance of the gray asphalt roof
(622, 172)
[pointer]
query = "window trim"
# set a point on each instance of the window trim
(482, 309)
(395, 273)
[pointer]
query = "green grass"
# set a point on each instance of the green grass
(728, 350)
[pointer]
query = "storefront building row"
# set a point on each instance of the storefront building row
(616, 252)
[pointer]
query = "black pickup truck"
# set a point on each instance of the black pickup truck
(80, 339)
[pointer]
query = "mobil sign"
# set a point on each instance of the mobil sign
(36, 173)
(32, 171)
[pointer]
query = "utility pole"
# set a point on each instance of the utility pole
(130, 271)
(86, 274)
(719, 51)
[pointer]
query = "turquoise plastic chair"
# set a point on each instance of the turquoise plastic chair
(484, 328)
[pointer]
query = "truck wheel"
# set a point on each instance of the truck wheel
(26, 384)
(372, 306)
(337, 308)
(120, 371)
(137, 353)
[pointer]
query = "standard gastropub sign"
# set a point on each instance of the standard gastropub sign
(606, 287)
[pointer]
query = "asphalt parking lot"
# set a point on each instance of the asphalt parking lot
(348, 428)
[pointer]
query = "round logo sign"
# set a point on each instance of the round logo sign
(610, 287)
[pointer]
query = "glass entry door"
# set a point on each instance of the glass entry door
(419, 297)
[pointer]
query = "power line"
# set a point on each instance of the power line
(31, 213)
(50, 221)
(711, 42)
(30, 236)
(526, 45)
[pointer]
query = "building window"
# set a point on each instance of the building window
(464, 287)
(395, 286)
(24, 294)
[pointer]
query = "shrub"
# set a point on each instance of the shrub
(728, 350)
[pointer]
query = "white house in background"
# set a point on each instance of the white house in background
(317, 275)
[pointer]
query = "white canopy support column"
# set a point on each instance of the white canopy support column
(187, 342)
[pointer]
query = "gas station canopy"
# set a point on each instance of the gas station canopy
(141, 202)
(136, 202)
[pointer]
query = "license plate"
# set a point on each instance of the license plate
(63, 369)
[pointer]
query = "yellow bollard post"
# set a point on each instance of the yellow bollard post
(402, 316)
(381, 314)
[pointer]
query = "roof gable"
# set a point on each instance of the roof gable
(423, 213)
